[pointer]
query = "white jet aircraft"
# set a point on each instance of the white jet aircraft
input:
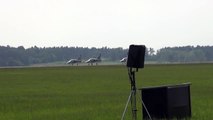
(94, 60)
(123, 60)
(73, 61)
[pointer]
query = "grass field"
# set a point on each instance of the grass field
(94, 92)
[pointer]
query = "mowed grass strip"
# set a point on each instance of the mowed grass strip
(94, 92)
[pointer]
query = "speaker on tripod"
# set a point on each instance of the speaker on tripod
(136, 56)
(135, 60)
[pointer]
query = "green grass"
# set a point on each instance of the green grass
(94, 92)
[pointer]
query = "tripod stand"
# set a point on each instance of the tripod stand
(132, 96)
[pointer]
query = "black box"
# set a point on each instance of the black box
(167, 102)
(136, 56)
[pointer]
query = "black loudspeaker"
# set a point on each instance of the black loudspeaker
(136, 56)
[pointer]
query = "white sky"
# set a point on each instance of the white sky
(112, 23)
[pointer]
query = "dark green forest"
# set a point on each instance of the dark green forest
(19, 56)
(186, 54)
(11, 56)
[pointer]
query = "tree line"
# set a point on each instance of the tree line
(19, 56)
(185, 54)
(12, 56)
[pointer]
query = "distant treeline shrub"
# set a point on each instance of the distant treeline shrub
(12, 56)
(185, 54)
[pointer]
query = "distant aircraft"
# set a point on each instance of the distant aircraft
(94, 60)
(73, 61)
(123, 60)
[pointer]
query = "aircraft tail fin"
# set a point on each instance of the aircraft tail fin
(99, 57)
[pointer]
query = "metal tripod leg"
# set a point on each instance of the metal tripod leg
(129, 98)
(133, 97)
(130, 95)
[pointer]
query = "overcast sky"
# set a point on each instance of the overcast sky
(112, 23)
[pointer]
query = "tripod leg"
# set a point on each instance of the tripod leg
(133, 97)
(130, 95)
(133, 105)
